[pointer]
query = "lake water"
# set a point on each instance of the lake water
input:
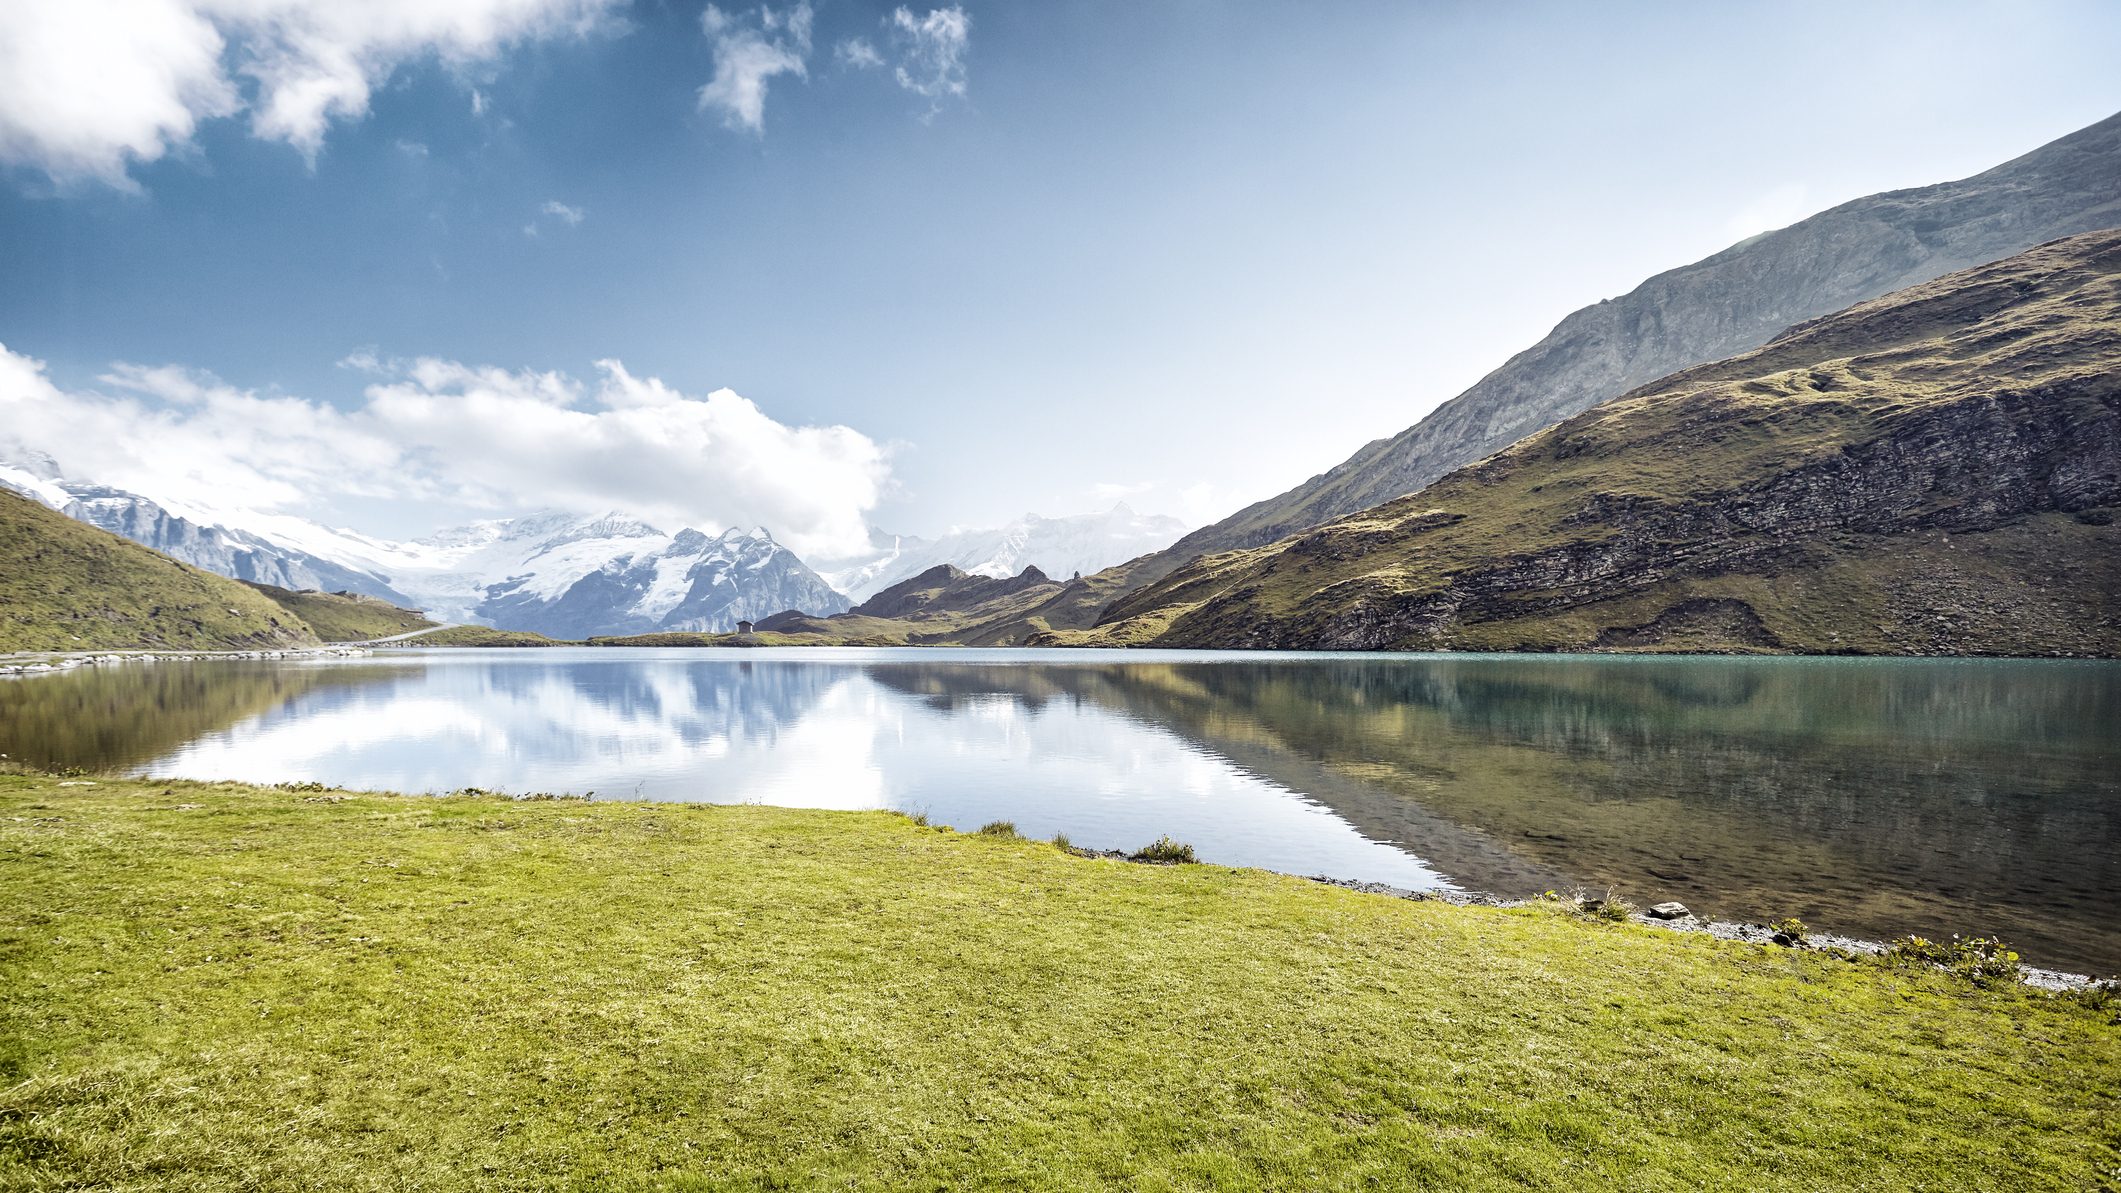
(1873, 797)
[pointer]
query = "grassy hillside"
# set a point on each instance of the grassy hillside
(1727, 303)
(941, 606)
(1933, 472)
(478, 635)
(65, 585)
(346, 616)
(215, 986)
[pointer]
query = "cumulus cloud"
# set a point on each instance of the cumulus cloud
(452, 435)
(858, 53)
(90, 87)
(932, 50)
(749, 50)
(561, 211)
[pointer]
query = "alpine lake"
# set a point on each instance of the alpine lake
(1867, 797)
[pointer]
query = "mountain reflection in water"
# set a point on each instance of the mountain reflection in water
(1874, 797)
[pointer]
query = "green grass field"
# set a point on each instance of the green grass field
(220, 986)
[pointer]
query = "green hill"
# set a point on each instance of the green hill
(346, 616)
(1933, 472)
(65, 585)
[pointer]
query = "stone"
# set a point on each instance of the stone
(1670, 911)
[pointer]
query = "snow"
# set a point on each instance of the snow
(27, 483)
(672, 584)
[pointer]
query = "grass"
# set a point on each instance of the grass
(220, 986)
(66, 585)
(479, 635)
(346, 616)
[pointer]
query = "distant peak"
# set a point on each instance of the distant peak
(1122, 509)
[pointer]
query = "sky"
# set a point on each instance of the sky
(842, 265)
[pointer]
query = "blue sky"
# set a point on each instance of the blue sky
(1184, 252)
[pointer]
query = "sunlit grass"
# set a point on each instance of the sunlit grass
(219, 986)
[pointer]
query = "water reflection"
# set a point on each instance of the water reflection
(1875, 797)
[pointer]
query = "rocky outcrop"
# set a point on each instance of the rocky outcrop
(1725, 304)
(1931, 472)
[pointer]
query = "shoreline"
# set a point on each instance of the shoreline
(488, 991)
(1814, 942)
(24, 663)
(1855, 947)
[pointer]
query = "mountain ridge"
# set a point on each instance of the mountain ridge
(1930, 472)
(1731, 301)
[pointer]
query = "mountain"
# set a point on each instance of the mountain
(1725, 304)
(686, 583)
(66, 585)
(1081, 543)
(1934, 472)
(943, 605)
(237, 554)
(550, 572)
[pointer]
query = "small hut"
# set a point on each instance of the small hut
(743, 627)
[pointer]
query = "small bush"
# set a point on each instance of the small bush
(2099, 997)
(1790, 931)
(998, 828)
(919, 819)
(300, 787)
(1608, 906)
(1061, 842)
(1980, 959)
(1166, 851)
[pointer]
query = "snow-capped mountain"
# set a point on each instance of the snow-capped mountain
(687, 582)
(555, 573)
(215, 548)
(1060, 547)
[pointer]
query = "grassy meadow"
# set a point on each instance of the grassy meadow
(209, 986)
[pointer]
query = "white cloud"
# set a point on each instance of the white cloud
(1107, 492)
(572, 215)
(856, 52)
(90, 87)
(455, 436)
(748, 53)
(932, 50)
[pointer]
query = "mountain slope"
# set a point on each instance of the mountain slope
(942, 606)
(226, 551)
(345, 616)
(1080, 543)
(1931, 472)
(1714, 308)
(65, 585)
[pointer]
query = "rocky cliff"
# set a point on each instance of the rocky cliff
(1936, 471)
(1728, 303)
